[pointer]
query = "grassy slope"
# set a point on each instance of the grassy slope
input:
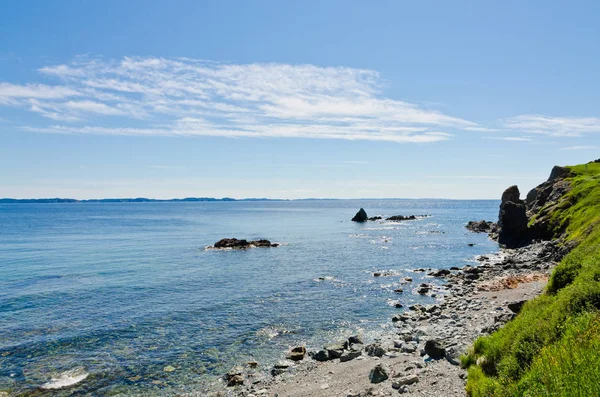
(552, 348)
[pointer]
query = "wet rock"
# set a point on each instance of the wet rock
(335, 351)
(481, 226)
(234, 243)
(434, 349)
(234, 376)
(378, 374)
(297, 353)
(361, 216)
(321, 355)
(439, 273)
(355, 339)
(280, 368)
(375, 218)
(399, 218)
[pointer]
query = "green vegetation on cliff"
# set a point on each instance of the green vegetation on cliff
(552, 348)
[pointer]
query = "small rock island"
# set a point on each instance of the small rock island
(234, 243)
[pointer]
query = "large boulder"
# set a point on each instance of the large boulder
(361, 216)
(512, 220)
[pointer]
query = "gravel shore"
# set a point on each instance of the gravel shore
(421, 356)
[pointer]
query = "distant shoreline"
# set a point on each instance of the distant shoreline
(196, 200)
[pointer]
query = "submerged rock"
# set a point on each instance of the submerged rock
(361, 216)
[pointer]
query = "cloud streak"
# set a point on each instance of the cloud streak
(554, 126)
(183, 97)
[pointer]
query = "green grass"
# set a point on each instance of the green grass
(552, 348)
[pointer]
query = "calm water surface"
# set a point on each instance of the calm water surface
(120, 292)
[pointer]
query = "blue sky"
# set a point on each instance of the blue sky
(294, 99)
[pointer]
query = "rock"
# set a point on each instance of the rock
(482, 226)
(234, 376)
(321, 355)
(453, 353)
(378, 374)
(231, 243)
(375, 218)
(375, 349)
(335, 351)
(350, 355)
(512, 220)
(398, 290)
(355, 339)
(424, 288)
(242, 244)
(361, 216)
(439, 273)
(434, 349)
(279, 368)
(297, 353)
(406, 380)
(408, 347)
(235, 381)
(516, 306)
(398, 218)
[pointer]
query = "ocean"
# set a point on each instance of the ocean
(124, 299)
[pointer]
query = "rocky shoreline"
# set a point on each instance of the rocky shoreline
(421, 355)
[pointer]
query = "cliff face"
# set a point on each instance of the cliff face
(521, 222)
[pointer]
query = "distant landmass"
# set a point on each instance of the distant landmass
(127, 200)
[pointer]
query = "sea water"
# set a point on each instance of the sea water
(124, 299)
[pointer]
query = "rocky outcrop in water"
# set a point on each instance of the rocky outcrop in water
(234, 243)
(481, 226)
(361, 216)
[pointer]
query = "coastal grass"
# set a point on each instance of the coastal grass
(552, 348)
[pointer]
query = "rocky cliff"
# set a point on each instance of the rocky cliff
(521, 222)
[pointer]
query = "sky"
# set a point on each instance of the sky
(294, 99)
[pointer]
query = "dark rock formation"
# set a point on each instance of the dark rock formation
(434, 349)
(481, 226)
(378, 374)
(361, 216)
(242, 244)
(516, 306)
(512, 220)
(375, 218)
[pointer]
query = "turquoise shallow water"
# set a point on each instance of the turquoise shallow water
(121, 291)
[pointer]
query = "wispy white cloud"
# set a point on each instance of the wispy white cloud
(510, 138)
(554, 126)
(191, 97)
(583, 147)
